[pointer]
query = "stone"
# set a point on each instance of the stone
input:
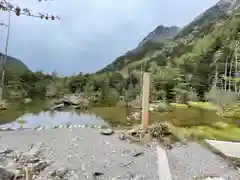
(31, 156)
(38, 167)
(6, 129)
(107, 132)
(136, 115)
(212, 178)
(139, 177)
(36, 148)
(6, 151)
(27, 100)
(3, 105)
(6, 174)
(60, 172)
(96, 174)
(57, 107)
(135, 154)
(121, 136)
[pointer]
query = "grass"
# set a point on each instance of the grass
(195, 104)
(196, 123)
(177, 105)
(203, 105)
(207, 132)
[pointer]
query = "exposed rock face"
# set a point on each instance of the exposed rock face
(161, 33)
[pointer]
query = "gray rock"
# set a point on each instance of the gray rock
(96, 174)
(60, 172)
(135, 154)
(3, 105)
(36, 148)
(57, 107)
(139, 177)
(213, 178)
(6, 129)
(107, 132)
(6, 151)
(121, 136)
(38, 167)
(32, 156)
(27, 100)
(6, 174)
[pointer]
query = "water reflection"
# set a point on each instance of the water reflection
(51, 118)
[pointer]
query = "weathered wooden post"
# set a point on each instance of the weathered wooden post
(145, 100)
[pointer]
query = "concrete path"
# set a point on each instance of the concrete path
(229, 149)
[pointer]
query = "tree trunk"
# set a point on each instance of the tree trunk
(3, 61)
(236, 67)
(216, 76)
(230, 76)
(225, 75)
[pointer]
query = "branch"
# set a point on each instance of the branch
(6, 6)
(3, 24)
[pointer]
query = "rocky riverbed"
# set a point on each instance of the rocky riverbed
(85, 153)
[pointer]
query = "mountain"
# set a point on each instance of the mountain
(160, 34)
(155, 48)
(152, 40)
(214, 14)
(14, 64)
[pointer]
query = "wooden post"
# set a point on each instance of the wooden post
(145, 100)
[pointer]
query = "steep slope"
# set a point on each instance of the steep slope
(153, 41)
(14, 64)
(183, 42)
(160, 34)
(214, 14)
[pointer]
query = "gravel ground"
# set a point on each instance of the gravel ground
(86, 151)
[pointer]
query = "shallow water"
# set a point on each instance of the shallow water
(34, 116)
(51, 118)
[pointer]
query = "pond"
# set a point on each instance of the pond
(33, 115)
(52, 118)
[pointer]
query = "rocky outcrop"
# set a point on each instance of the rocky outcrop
(73, 100)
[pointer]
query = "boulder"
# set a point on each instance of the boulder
(107, 132)
(3, 105)
(57, 107)
(7, 174)
(60, 172)
(73, 100)
(160, 106)
(27, 100)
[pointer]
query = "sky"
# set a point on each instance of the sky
(91, 33)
